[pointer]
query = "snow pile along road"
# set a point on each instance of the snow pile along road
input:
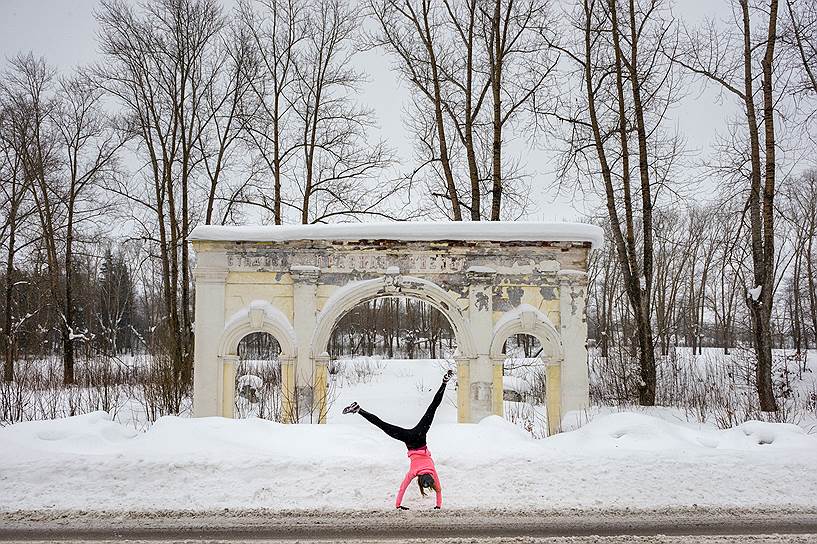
(620, 460)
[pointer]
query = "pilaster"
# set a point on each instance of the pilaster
(480, 317)
(208, 330)
(229, 363)
(573, 330)
(304, 295)
(553, 377)
(321, 389)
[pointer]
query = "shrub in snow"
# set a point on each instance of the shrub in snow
(711, 387)
(248, 387)
(258, 387)
(356, 370)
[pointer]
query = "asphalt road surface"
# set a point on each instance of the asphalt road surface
(451, 526)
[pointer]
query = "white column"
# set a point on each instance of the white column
(573, 330)
(463, 389)
(554, 396)
(209, 328)
(304, 293)
(480, 318)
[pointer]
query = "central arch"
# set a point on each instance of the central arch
(391, 285)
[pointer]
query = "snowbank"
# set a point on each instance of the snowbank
(622, 460)
(633, 431)
(499, 231)
(514, 383)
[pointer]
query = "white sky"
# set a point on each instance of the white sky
(63, 31)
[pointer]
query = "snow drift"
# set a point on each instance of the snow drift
(621, 460)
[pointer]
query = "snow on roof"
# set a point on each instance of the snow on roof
(497, 231)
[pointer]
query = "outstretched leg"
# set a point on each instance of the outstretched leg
(398, 433)
(428, 417)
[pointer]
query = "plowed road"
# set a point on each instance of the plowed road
(688, 526)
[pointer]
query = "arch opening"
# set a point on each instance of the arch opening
(388, 352)
(527, 330)
(258, 316)
(257, 390)
(393, 327)
(525, 383)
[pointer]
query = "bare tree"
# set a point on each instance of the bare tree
(672, 267)
(412, 32)
(65, 147)
(475, 67)
(730, 60)
(274, 29)
(29, 90)
(465, 74)
(628, 85)
(90, 146)
(725, 282)
(519, 66)
(338, 170)
(799, 210)
(223, 116)
(17, 209)
(161, 64)
(802, 40)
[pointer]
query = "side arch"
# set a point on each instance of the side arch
(525, 319)
(391, 285)
(258, 316)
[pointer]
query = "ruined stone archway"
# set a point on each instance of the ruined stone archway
(296, 282)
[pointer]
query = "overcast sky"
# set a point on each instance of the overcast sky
(63, 31)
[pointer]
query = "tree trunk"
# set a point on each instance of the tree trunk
(763, 335)
(496, 87)
(8, 355)
(68, 301)
(438, 118)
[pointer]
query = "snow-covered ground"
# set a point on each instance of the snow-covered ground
(619, 460)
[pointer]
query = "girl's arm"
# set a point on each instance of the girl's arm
(406, 481)
(439, 489)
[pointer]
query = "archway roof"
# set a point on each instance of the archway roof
(498, 231)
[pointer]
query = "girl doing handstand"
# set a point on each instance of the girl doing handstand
(422, 466)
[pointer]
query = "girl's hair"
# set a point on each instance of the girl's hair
(426, 481)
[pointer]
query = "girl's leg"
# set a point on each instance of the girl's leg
(425, 422)
(398, 433)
